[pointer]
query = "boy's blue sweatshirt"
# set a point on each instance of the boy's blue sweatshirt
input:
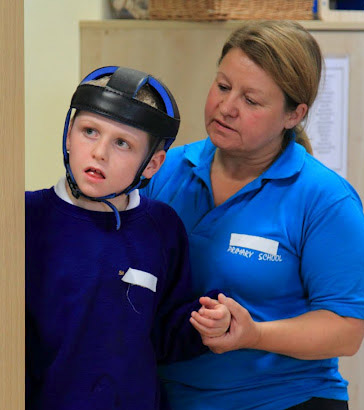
(93, 340)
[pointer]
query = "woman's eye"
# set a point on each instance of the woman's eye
(250, 101)
(223, 87)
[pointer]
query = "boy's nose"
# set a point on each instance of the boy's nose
(99, 151)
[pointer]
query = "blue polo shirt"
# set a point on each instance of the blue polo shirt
(289, 242)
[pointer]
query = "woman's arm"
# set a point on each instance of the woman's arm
(319, 334)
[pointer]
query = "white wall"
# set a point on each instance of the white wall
(51, 43)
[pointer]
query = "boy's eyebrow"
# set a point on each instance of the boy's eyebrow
(94, 122)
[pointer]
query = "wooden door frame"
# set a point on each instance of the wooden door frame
(12, 205)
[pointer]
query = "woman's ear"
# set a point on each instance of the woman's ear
(296, 116)
(154, 164)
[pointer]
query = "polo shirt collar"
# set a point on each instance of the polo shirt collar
(201, 153)
(289, 163)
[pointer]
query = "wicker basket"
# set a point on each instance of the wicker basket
(204, 10)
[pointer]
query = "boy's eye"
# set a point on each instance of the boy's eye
(122, 144)
(89, 132)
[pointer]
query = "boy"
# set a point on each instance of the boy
(103, 305)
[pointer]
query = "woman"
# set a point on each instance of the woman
(273, 228)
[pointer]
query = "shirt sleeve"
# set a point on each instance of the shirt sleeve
(173, 335)
(332, 265)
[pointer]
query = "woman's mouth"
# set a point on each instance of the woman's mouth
(222, 125)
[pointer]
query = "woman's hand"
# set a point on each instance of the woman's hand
(315, 335)
(243, 331)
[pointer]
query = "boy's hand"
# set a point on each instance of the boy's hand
(212, 320)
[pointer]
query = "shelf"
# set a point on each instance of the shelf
(314, 25)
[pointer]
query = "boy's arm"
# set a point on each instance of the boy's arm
(180, 341)
(173, 335)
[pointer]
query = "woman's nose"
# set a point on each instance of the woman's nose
(228, 106)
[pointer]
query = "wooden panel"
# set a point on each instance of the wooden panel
(12, 206)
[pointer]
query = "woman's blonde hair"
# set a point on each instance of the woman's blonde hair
(289, 54)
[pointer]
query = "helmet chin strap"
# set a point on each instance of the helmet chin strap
(137, 182)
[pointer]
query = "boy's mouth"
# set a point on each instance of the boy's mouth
(95, 173)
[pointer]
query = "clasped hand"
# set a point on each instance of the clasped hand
(225, 325)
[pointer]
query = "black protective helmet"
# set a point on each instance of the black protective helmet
(117, 101)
